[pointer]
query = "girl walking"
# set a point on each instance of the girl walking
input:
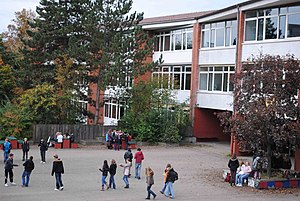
(126, 172)
(112, 172)
(104, 170)
(150, 182)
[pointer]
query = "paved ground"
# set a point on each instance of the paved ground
(199, 169)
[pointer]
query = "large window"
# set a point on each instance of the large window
(219, 34)
(175, 40)
(272, 23)
(174, 77)
(114, 109)
(216, 78)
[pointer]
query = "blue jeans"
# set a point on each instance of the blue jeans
(125, 179)
(237, 178)
(112, 181)
(164, 188)
(242, 177)
(103, 180)
(138, 167)
(58, 180)
(5, 155)
(25, 178)
(150, 192)
(170, 190)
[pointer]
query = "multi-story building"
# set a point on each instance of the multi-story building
(203, 51)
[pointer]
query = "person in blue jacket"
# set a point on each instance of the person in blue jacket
(6, 149)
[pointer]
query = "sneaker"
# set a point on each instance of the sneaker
(147, 198)
(44, 162)
(41, 162)
(61, 188)
(126, 187)
(6, 185)
(13, 184)
(56, 189)
(154, 197)
(161, 192)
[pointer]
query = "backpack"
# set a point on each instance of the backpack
(257, 164)
(175, 176)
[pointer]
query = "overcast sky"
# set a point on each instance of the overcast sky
(151, 8)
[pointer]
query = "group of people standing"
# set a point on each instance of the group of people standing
(241, 171)
(114, 138)
(170, 176)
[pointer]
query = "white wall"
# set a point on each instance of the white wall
(173, 57)
(220, 101)
(276, 47)
(222, 55)
(110, 121)
(182, 96)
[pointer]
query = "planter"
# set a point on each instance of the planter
(276, 183)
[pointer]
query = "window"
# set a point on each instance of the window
(114, 109)
(217, 78)
(173, 77)
(273, 23)
(219, 34)
(175, 40)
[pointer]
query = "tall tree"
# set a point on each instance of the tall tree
(266, 105)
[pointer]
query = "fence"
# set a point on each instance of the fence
(80, 131)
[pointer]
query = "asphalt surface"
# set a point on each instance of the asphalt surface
(199, 168)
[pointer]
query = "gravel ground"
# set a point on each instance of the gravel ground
(199, 168)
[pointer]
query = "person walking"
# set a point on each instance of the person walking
(233, 165)
(43, 148)
(126, 172)
(6, 149)
(139, 157)
(165, 178)
(25, 148)
(104, 170)
(58, 170)
(28, 167)
(150, 182)
(128, 156)
(112, 172)
(8, 170)
(171, 178)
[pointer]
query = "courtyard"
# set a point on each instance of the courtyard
(199, 169)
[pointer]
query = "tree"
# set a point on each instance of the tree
(266, 105)
(153, 115)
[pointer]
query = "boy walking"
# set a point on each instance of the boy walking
(25, 148)
(8, 170)
(28, 167)
(126, 172)
(58, 169)
(139, 157)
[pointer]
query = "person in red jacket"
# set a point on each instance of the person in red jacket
(139, 157)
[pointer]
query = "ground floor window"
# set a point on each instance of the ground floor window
(114, 108)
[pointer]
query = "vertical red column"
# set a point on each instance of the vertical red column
(195, 71)
(297, 153)
(234, 148)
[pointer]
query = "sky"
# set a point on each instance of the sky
(151, 8)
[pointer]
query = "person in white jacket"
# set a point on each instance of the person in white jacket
(126, 172)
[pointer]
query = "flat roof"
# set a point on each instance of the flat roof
(174, 18)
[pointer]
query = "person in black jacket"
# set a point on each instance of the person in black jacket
(43, 148)
(128, 156)
(104, 170)
(28, 167)
(58, 169)
(112, 172)
(8, 170)
(233, 165)
(171, 178)
(25, 148)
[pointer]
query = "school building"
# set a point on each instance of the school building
(203, 51)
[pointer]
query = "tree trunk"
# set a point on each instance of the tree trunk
(97, 100)
(269, 156)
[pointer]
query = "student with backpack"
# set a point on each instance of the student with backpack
(170, 180)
